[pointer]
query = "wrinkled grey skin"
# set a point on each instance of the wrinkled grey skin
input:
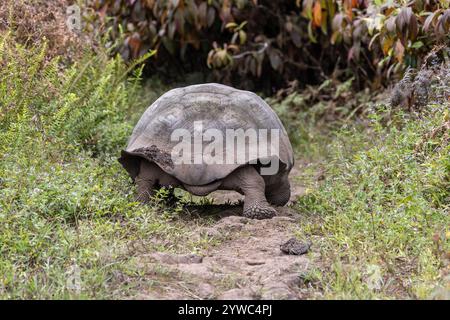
(147, 156)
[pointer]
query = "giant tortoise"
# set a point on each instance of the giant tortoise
(219, 109)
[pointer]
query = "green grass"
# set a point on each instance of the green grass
(380, 219)
(67, 208)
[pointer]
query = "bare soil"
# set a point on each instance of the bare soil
(247, 262)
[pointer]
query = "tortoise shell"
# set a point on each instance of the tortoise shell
(215, 106)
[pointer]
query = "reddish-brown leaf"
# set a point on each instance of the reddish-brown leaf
(102, 12)
(399, 51)
(317, 14)
(413, 27)
(149, 4)
(202, 13)
(135, 44)
(403, 22)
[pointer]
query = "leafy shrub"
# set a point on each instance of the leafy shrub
(82, 105)
(396, 33)
(306, 40)
(51, 116)
(382, 209)
(66, 205)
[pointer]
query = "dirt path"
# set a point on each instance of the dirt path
(247, 262)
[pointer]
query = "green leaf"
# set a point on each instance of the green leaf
(231, 25)
(242, 37)
(417, 45)
(311, 33)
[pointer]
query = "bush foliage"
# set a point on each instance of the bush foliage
(69, 225)
(61, 207)
(308, 40)
(382, 209)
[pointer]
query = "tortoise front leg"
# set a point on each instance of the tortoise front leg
(145, 189)
(278, 192)
(147, 180)
(248, 181)
(150, 178)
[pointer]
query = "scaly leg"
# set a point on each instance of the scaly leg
(278, 192)
(147, 180)
(248, 181)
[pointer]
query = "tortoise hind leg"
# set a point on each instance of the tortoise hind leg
(247, 180)
(278, 194)
(146, 181)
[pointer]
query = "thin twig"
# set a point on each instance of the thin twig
(254, 52)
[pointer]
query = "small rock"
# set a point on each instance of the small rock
(170, 258)
(283, 218)
(295, 247)
(253, 262)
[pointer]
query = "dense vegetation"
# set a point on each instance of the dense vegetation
(65, 204)
(377, 203)
(382, 212)
(378, 200)
(260, 44)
